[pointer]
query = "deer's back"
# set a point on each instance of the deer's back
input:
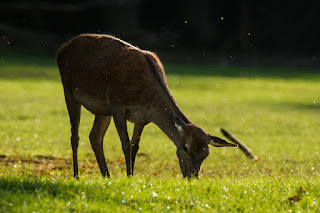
(103, 72)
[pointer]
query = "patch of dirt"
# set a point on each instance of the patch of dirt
(49, 165)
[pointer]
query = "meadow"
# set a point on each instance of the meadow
(275, 111)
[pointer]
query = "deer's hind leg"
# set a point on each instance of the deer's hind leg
(100, 126)
(74, 110)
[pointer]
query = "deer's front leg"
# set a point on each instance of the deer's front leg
(135, 143)
(121, 125)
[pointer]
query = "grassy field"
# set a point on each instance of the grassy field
(276, 112)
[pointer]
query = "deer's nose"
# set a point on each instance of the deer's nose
(192, 175)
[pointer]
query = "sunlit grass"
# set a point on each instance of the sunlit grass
(276, 112)
(249, 194)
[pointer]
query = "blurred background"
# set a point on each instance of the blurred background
(204, 31)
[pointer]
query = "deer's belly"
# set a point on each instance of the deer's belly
(94, 105)
(138, 114)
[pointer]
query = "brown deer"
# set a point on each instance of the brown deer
(112, 78)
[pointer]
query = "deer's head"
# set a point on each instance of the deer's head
(194, 148)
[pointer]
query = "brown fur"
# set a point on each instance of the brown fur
(110, 77)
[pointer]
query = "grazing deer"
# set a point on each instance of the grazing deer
(112, 78)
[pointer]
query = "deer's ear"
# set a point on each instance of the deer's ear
(218, 142)
(178, 122)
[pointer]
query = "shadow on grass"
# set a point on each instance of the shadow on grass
(18, 191)
(28, 185)
(289, 106)
(302, 106)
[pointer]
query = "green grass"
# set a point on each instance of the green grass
(235, 194)
(276, 112)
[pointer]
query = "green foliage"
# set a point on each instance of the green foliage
(274, 111)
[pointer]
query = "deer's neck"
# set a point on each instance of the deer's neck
(164, 120)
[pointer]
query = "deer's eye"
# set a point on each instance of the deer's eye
(205, 151)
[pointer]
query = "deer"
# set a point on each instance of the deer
(113, 79)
